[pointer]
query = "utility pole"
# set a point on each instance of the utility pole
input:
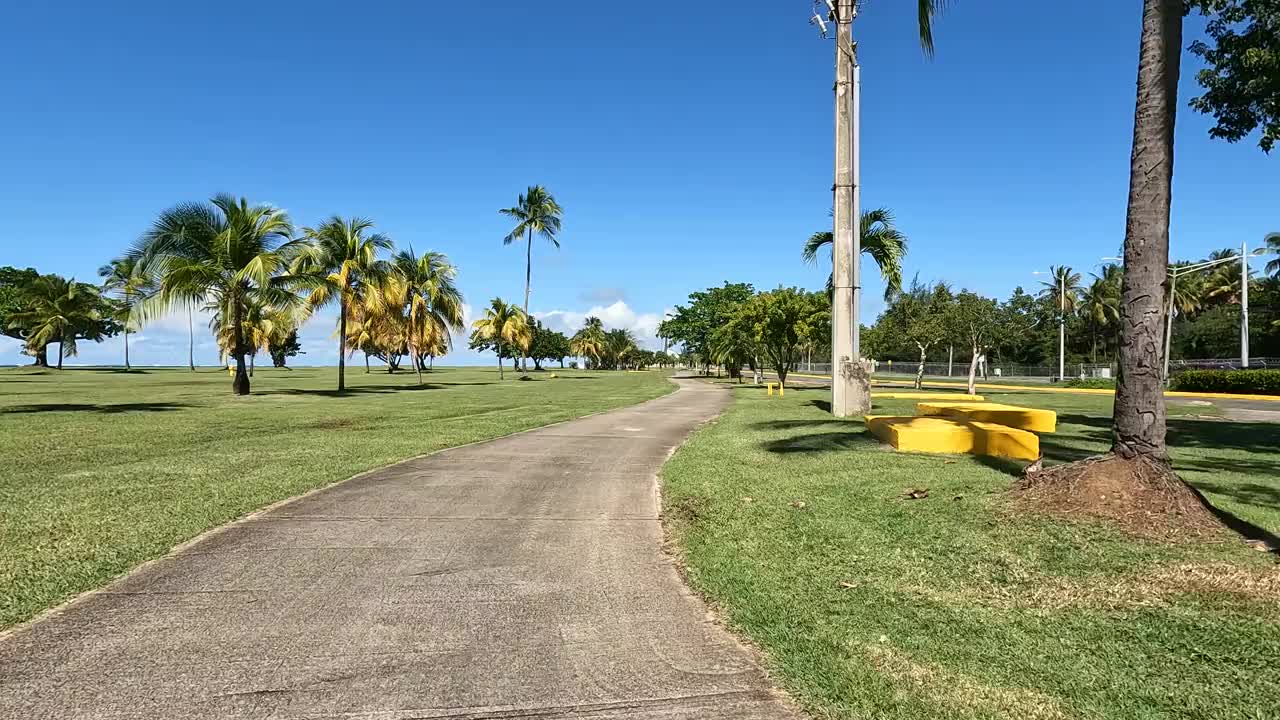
(850, 383)
(1244, 304)
(1062, 327)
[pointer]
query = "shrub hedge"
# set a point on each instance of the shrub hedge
(1091, 383)
(1253, 382)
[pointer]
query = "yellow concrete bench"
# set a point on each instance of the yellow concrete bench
(923, 395)
(947, 435)
(1014, 416)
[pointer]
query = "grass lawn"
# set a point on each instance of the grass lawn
(104, 469)
(871, 605)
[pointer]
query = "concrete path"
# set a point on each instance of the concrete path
(519, 578)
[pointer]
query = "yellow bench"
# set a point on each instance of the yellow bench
(947, 435)
(1014, 416)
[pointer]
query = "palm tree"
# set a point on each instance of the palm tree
(1101, 303)
(1222, 282)
(1138, 418)
(620, 344)
(504, 325)
(879, 238)
(126, 279)
(425, 289)
(1063, 289)
(56, 309)
(536, 213)
(340, 260)
(227, 254)
(1273, 248)
(589, 341)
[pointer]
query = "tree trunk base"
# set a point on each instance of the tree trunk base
(1142, 496)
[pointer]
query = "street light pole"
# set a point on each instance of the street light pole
(1062, 328)
(850, 387)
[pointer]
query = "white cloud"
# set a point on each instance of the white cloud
(617, 315)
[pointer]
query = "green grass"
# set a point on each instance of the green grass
(103, 470)
(868, 604)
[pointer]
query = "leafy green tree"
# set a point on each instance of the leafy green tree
(506, 326)
(547, 345)
(536, 212)
(779, 322)
(280, 348)
(732, 346)
(54, 309)
(13, 283)
(125, 278)
(338, 262)
(1241, 77)
(879, 239)
(227, 254)
(974, 320)
(915, 320)
(692, 325)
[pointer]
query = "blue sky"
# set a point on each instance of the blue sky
(688, 145)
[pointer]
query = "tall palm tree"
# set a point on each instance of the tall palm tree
(59, 310)
(339, 261)
(536, 212)
(1273, 248)
(589, 341)
(1222, 282)
(125, 278)
(425, 288)
(879, 238)
(1138, 418)
(225, 253)
(506, 326)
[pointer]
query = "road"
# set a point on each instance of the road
(522, 577)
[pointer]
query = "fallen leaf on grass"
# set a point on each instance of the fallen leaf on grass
(918, 494)
(748, 499)
(848, 584)
(799, 504)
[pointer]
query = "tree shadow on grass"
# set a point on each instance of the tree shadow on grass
(103, 409)
(351, 392)
(853, 437)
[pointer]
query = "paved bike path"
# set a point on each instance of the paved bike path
(517, 578)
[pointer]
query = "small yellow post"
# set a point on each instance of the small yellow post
(782, 390)
(769, 389)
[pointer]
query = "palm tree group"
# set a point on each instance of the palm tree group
(243, 263)
(591, 341)
(58, 310)
(123, 277)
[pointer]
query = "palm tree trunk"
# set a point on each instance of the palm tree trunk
(342, 342)
(42, 357)
(500, 376)
(1139, 416)
(252, 356)
(62, 342)
(528, 280)
(240, 385)
(366, 363)
(191, 343)
(126, 348)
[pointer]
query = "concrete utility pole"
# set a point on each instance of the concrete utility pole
(1244, 304)
(850, 383)
(1062, 328)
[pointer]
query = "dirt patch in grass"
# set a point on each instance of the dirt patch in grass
(333, 424)
(960, 692)
(1140, 496)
